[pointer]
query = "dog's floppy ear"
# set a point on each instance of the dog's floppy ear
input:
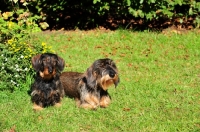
(91, 78)
(36, 63)
(60, 64)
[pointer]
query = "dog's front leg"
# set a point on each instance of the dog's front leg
(37, 107)
(104, 99)
(88, 99)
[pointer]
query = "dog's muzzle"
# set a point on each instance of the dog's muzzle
(109, 78)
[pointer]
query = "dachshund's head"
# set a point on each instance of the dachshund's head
(102, 73)
(48, 65)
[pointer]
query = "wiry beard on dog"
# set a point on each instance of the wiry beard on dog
(107, 81)
(90, 88)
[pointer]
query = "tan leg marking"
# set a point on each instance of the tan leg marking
(105, 101)
(78, 102)
(88, 106)
(37, 107)
(91, 102)
(58, 104)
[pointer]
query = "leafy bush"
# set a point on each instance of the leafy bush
(82, 14)
(155, 9)
(149, 10)
(16, 52)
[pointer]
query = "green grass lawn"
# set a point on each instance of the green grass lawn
(159, 88)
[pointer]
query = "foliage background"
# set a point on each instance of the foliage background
(88, 14)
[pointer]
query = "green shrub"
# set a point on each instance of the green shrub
(163, 8)
(152, 9)
(16, 53)
(80, 14)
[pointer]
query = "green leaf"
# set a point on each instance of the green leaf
(25, 4)
(44, 25)
(135, 13)
(95, 1)
(180, 2)
(15, 1)
(181, 20)
(153, 1)
(141, 14)
(128, 2)
(190, 11)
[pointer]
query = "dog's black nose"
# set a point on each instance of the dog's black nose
(111, 74)
(50, 70)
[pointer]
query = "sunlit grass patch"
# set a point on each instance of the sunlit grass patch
(159, 88)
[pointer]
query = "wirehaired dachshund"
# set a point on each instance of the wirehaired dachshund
(90, 89)
(47, 89)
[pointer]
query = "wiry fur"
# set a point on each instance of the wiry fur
(90, 88)
(47, 89)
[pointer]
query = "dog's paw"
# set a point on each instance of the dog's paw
(37, 107)
(58, 105)
(88, 106)
(105, 101)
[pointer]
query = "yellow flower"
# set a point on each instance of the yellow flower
(30, 49)
(43, 44)
(44, 50)
(10, 25)
(10, 41)
(53, 51)
(16, 50)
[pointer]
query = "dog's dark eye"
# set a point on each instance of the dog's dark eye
(54, 62)
(96, 71)
(113, 65)
(44, 61)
